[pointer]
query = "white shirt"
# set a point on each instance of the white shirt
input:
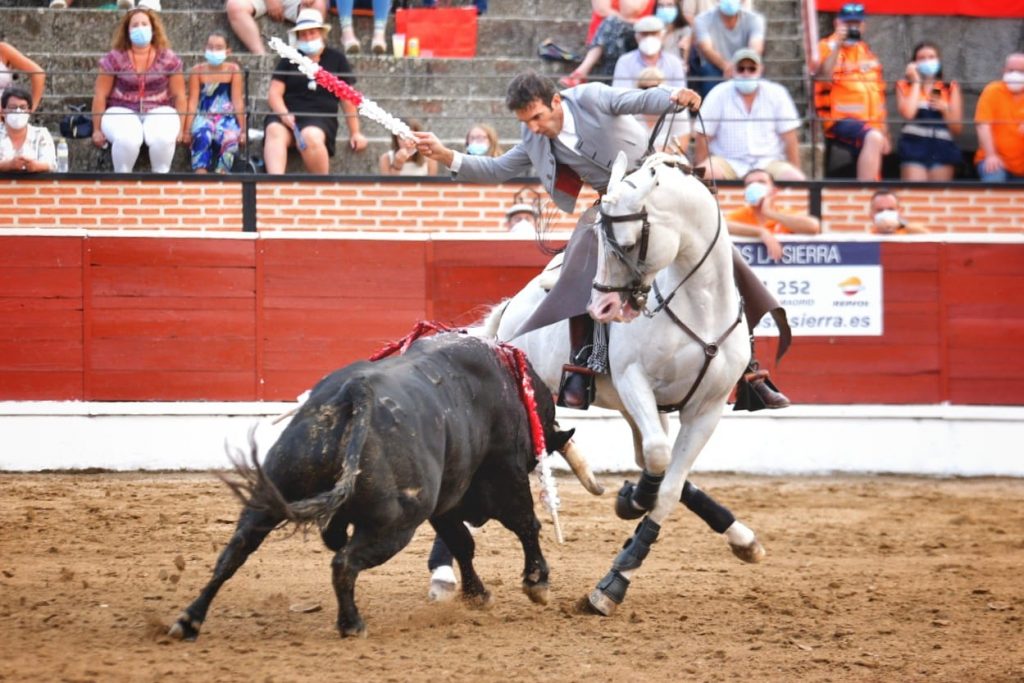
(751, 138)
(38, 146)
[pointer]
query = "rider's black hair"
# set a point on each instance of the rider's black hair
(527, 87)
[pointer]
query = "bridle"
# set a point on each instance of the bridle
(635, 289)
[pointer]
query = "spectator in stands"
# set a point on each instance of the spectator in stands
(677, 139)
(886, 218)
(749, 123)
(850, 93)
(242, 15)
(482, 140)
(121, 4)
(759, 218)
(349, 42)
(678, 33)
(926, 148)
(691, 8)
(215, 124)
(613, 39)
(139, 96)
(314, 129)
(406, 159)
(11, 61)
(521, 219)
(23, 148)
(650, 33)
(718, 34)
(999, 117)
(602, 9)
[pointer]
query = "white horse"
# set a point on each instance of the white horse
(660, 228)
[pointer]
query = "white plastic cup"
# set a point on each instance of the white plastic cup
(398, 45)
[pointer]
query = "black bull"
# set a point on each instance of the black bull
(437, 434)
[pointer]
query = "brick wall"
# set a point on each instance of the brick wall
(427, 206)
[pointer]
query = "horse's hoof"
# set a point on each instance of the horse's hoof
(442, 584)
(356, 630)
(538, 593)
(624, 508)
(601, 604)
(184, 629)
(478, 600)
(751, 553)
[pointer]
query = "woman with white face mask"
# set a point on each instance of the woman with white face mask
(305, 115)
(215, 125)
(139, 96)
(927, 146)
(23, 148)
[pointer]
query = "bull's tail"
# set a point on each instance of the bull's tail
(257, 490)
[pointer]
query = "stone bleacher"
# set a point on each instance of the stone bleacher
(447, 95)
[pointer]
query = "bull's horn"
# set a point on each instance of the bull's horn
(579, 466)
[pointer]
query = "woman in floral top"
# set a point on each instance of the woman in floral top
(23, 148)
(140, 94)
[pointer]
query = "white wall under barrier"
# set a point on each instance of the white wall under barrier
(922, 440)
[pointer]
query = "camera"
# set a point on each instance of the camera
(853, 34)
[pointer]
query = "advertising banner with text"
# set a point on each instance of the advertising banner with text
(830, 289)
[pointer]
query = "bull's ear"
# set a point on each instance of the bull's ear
(618, 170)
(558, 440)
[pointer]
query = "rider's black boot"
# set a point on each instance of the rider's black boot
(577, 386)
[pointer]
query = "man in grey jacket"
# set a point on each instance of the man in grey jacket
(572, 137)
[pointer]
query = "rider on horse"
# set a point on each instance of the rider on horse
(572, 137)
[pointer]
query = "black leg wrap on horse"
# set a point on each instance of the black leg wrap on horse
(614, 586)
(638, 546)
(634, 500)
(707, 508)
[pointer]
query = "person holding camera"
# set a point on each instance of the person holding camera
(927, 147)
(849, 93)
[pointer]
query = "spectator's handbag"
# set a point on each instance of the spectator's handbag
(442, 31)
(78, 124)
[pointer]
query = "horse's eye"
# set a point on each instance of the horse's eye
(629, 248)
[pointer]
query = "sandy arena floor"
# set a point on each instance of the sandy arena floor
(867, 578)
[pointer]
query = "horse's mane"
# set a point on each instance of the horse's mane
(651, 162)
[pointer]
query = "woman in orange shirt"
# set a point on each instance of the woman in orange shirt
(927, 147)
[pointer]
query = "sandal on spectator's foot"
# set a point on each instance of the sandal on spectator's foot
(349, 42)
(58, 4)
(378, 46)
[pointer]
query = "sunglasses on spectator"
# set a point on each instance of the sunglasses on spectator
(851, 7)
(746, 69)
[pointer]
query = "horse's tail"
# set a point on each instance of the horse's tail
(258, 491)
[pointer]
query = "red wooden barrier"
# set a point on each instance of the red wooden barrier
(130, 318)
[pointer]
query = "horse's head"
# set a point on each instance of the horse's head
(635, 241)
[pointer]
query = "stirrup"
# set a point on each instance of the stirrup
(586, 375)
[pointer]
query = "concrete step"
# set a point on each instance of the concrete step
(89, 30)
(86, 157)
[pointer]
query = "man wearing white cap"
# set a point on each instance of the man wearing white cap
(242, 15)
(650, 33)
(749, 123)
(521, 219)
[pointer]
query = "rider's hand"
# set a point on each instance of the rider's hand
(685, 97)
(429, 146)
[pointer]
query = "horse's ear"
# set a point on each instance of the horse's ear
(618, 169)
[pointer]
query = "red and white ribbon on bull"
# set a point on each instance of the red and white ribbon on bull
(340, 89)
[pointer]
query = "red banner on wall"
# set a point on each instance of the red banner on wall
(1002, 9)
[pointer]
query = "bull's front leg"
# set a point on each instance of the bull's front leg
(253, 526)
(519, 518)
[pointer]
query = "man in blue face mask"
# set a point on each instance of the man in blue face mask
(749, 123)
(718, 34)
